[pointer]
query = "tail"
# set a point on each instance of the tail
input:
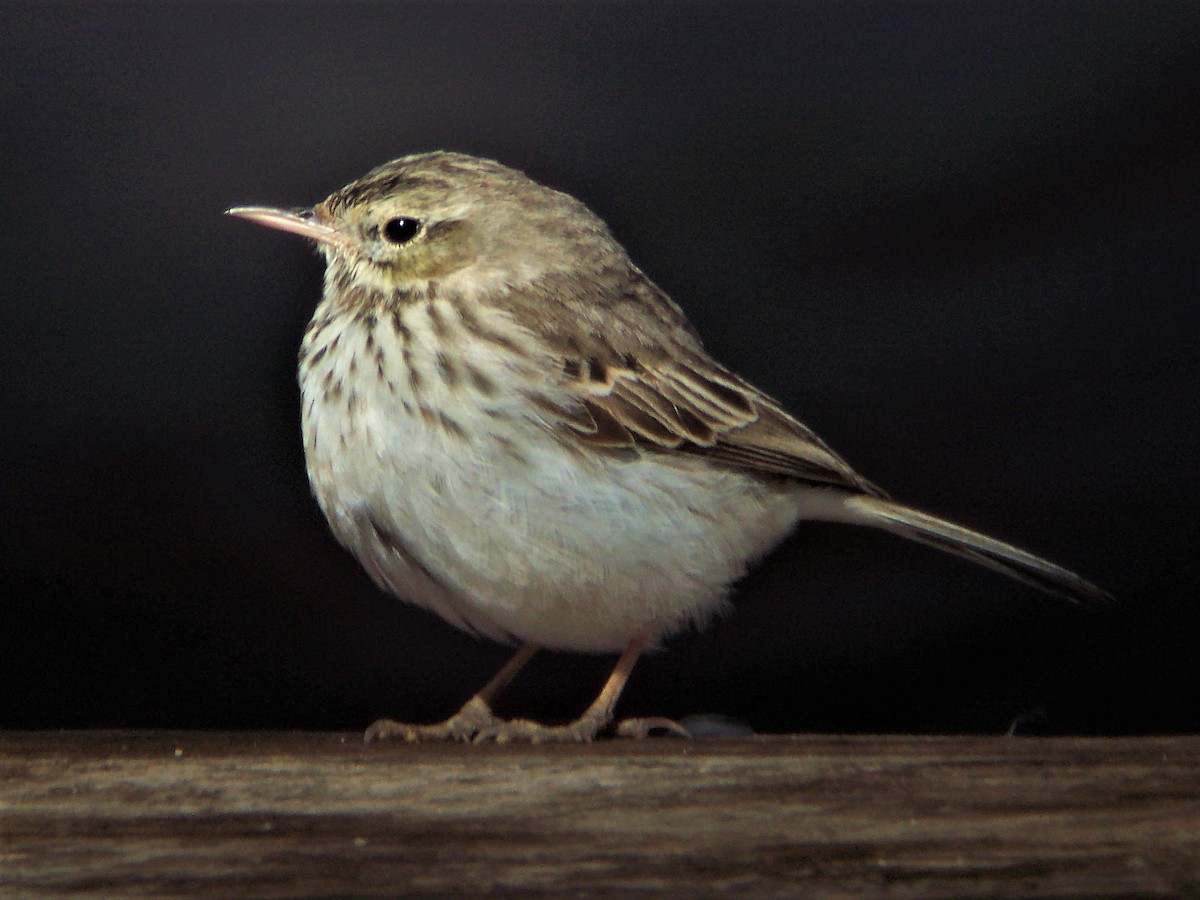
(876, 512)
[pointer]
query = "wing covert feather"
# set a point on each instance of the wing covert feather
(636, 375)
(714, 414)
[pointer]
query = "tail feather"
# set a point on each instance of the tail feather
(877, 512)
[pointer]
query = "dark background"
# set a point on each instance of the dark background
(962, 241)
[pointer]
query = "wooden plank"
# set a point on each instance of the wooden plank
(269, 815)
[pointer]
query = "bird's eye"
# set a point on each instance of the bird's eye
(401, 230)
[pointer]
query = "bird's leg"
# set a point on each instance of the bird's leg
(474, 717)
(595, 719)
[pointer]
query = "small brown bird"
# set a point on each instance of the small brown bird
(509, 424)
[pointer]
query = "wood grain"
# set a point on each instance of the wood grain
(159, 814)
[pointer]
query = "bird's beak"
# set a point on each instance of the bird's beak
(298, 221)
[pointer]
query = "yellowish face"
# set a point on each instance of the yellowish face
(396, 240)
(467, 224)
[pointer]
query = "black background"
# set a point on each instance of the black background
(962, 241)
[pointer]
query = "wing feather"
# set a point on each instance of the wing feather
(635, 375)
(710, 414)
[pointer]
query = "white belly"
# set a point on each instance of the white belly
(454, 496)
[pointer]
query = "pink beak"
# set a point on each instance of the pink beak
(298, 221)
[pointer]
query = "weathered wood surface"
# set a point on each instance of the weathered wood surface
(265, 815)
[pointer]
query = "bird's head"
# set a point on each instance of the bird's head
(448, 219)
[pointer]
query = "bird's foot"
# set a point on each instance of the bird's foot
(640, 729)
(473, 719)
(583, 730)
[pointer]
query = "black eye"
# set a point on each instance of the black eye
(401, 230)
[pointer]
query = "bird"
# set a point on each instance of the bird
(509, 424)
